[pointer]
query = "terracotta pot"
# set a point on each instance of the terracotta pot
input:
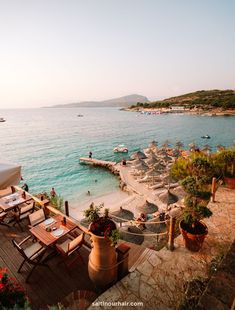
(102, 266)
(193, 242)
(230, 182)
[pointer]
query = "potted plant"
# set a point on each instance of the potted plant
(196, 184)
(12, 295)
(227, 159)
(102, 266)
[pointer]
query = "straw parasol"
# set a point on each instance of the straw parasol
(153, 144)
(159, 166)
(141, 166)
(123, 214)
(168, 198)
(153, 172)
(129, 237)
(138, 155)
(148, 208)
(166, 158)
(179, 192)
(156, 228)
(136, 162)
(152, 159)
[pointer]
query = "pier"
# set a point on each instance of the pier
(97, 162)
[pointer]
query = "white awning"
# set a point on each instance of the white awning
(10, 174)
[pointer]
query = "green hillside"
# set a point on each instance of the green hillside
(205, 99)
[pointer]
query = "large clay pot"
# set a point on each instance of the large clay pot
(102, 266)
(230, 182)
(193, 242)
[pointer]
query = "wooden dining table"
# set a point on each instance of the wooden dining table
(12, 201)
(47, 233)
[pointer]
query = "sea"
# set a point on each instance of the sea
(48, 143)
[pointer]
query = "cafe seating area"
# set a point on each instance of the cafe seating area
(45, 254)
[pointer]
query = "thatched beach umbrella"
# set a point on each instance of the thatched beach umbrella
(179, 192)
(141, 166)
(168, 198)
(122, 214)
(136, 162)
(166, 158)
(156, 228)
(153, 172)
(153, 144)
(138, 155)
(128, 234)
(148, 208)
(160, 166)
(152, 159)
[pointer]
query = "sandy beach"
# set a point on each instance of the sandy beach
(112, 201)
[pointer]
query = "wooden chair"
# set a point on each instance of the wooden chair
(69, 246)
(36, 217)
(23, 212)
(2, 217)
(31, 254)
(7, 191)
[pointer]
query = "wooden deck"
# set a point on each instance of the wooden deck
(45, 287)
(48, 287)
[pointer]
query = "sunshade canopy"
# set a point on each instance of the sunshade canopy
(10, 174)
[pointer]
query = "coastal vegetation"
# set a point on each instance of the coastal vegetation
(195, 174)
(203, 99)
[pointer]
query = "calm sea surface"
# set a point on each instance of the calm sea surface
(48, 143)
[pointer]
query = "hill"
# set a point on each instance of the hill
(125, 101)
(204, 99)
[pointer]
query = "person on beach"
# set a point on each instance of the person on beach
(124, 162)
(141, 218)
(90, 154)
(53, 192)
(88, 193)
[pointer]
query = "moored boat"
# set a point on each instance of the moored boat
(2, 119)
(120, 149)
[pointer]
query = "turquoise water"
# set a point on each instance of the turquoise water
(48, 143)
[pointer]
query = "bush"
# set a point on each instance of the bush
(57, 202)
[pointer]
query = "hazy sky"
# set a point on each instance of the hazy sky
(61, 51)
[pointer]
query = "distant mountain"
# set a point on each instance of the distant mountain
(125, 101)
(205, 99)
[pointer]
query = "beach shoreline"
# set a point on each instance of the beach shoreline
(112, 201)
(212, 112)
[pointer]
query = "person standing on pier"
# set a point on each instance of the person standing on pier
(90, 154)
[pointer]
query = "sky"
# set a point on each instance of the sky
(63, 51)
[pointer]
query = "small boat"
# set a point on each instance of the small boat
(206, 137)
(120, 149)
(2, 119)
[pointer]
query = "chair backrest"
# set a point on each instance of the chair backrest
(36, 217)
(6, 191)
(75, 243)
(19, 248)
(26, 209)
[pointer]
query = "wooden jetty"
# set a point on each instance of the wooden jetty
(98, 162)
